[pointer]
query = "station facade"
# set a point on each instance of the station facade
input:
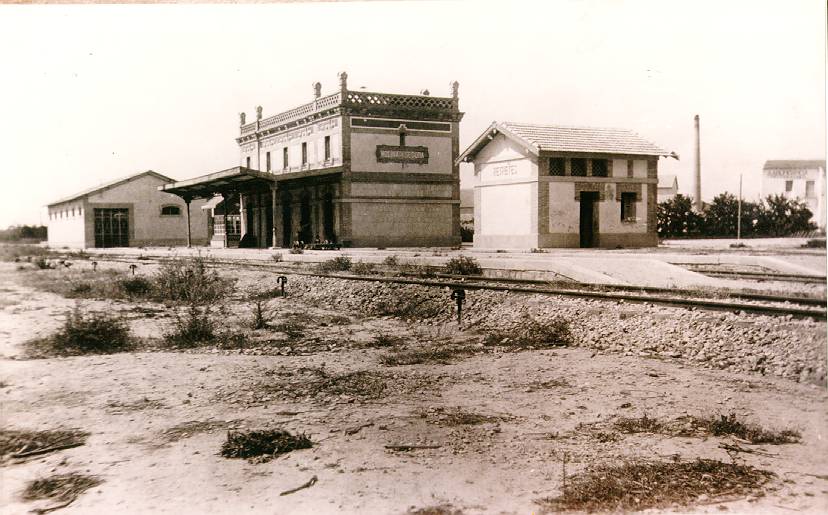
(557, 186)
(354, 168)
(800, 179)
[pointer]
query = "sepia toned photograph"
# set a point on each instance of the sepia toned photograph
(413, 257)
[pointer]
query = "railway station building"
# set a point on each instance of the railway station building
(561, 186)
(354, 168)
(127, 212)
(799, 179)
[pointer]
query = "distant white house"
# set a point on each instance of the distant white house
(667, 187)
(802, 180)
(127, 212)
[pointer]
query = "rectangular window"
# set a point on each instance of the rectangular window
(628, 206)
(285, 165)
(248, 161)
(304, 153)
(788, 186)
(599, 167)
(557, 166)
(327, 148)
(267, 161)
(579, 167)
(809, 189)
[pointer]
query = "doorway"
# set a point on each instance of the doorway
(328, 217)
(305, 227)
(589, 218)
(111, 228)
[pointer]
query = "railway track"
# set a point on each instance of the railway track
(800, 307)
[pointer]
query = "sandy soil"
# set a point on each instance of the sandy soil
(158, 419)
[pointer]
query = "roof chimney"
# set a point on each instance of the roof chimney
(697, 184)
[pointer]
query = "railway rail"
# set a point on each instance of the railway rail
(800, 307)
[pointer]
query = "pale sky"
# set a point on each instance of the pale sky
(92, 93)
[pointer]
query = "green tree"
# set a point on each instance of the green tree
(677, 219)
(782, 216)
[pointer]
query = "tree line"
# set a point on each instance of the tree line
(772, 216)
(23, 232)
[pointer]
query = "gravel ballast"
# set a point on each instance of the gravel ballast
(738, 342)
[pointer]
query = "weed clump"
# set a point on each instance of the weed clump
(436, 354)
(532, 333)
(337, 264)
(91, 333)
(268, 444)
(190, 280)
(192, 326)
(391, 260)
(61, 487)
(362, 268)
(723, 425)
(730, 425)
(135, 286)
(463, 265)
(640, 485)
(16, 443)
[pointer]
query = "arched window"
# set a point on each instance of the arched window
(170, 211)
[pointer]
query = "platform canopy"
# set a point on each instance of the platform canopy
(234, 180)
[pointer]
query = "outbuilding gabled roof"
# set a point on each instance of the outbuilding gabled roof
(110, 184)
(794, 164)
(565, 138)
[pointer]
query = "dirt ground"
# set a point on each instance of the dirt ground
(158, 418)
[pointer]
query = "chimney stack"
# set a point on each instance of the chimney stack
(697, 186)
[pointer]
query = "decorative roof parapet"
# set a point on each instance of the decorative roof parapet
(358, 102)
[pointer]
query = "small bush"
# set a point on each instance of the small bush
(292, 328)
(463, 265)
(262, 315)
(639, 485)
(434, 354)
(362, 268)
(337, 264)
(296, 250)
(93, 333)
(190, 280)
(730, 425)
(531, 333)
(277, 257)
(135, 286)
(42, 264)
(269, 443)
(193, 327)
(391, 260)
(61, 487)
(21, 442)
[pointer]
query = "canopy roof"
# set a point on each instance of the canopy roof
(232, 180)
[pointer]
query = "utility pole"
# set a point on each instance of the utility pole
(739, 212)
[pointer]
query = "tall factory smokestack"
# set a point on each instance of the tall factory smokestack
(697, 185)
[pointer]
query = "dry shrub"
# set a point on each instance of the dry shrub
(190, 280)
(443, 354)
(457, 417)
(61, 487)
(337, 264)
(193, 326)
(463, 265)
(640, 485)
(362, 268)
(440, 509)
(529, 332)
(391, 260)
(723, 425)
(730, 425)
(20, 442)
(91, 333)
(23, 253)
(267, 443)
(136, 286)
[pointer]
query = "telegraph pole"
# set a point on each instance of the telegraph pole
(739, 212)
